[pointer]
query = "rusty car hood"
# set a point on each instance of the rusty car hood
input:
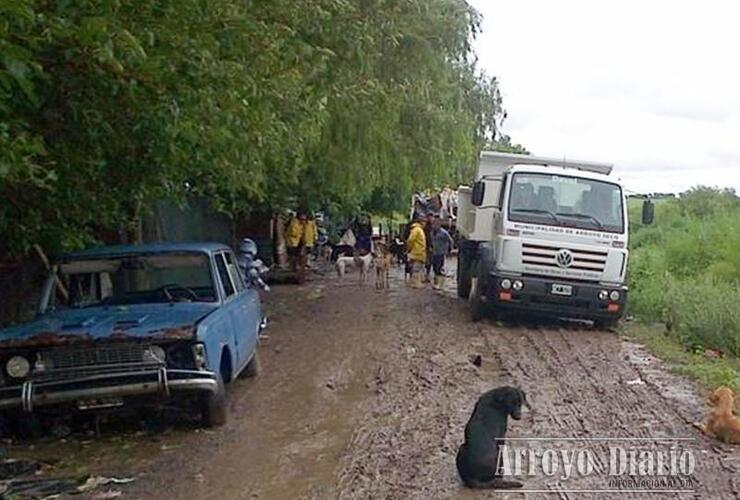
(137, 321)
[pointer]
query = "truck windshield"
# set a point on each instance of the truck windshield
(566, 201)
(135, 279)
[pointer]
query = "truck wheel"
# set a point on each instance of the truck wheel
(463, 276)
(477, 306)
(606, 324)
(213, 407)
(254, 367)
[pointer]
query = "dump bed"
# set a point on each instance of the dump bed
(493, 163)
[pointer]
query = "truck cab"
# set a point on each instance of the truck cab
(545, 236)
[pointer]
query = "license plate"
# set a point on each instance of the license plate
(92, 404)
(558, 289)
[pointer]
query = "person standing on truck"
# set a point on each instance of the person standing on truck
(416, 246)
(442, 244)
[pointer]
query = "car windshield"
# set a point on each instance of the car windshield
(135, 279)
(566, 201)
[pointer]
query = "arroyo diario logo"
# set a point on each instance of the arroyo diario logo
(657, 465)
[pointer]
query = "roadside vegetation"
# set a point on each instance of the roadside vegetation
(109, 107)
(685, 274)
(710, 371)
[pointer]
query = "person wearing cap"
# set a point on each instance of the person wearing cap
(416, 247)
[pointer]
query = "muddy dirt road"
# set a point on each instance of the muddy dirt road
(365, 394)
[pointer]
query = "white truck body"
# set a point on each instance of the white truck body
(561, 224)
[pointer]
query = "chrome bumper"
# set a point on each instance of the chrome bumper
(158, 381)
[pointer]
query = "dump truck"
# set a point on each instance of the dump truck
(544, 235)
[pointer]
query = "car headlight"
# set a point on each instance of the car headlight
(614, 295)
(199, 354)
(518, 285)
(603, 295)
(18, 367)
(156, 353)
(505, 283)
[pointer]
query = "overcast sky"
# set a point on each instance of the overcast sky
(652, 86)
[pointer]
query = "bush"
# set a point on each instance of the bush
(685, 270)
(704, 313)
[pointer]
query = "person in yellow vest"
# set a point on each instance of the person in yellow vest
(300, 239)
(416, 248)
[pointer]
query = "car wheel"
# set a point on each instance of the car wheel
(254, 367)
(214, 407)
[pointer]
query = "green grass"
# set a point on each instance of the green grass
(685, 269)
(709, 372)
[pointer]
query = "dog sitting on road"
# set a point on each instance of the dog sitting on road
(479, 458)
(721, 421)
(383, 260)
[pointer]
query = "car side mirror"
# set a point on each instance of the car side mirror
(648, 212)
(478, 194)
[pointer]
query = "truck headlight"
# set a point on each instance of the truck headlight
(518, 285)
(18, 367)
(505, 283)
(614, 295)
(603, 295)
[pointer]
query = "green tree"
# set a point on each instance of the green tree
(106, 107)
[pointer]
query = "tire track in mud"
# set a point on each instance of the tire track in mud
(289, 426)
(583, 383)
(584, 380)
(366, 395)
(406, 446)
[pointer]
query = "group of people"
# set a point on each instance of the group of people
(304, 237)
(300, 238)
(427, 246)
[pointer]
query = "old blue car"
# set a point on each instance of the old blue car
(134, 326)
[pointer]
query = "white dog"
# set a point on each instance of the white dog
(361, 262)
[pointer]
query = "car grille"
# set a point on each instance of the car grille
(546, 255)
(65, 363)
(112, 354)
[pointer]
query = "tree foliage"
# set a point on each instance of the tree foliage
(107, 106)
(503, 144)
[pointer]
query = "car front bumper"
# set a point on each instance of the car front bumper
(536, 296)
(161, 381)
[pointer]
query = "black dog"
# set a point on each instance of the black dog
(478, 459)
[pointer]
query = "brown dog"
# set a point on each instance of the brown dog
(721, 421)
(383, 262)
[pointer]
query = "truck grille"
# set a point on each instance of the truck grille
(546, 255)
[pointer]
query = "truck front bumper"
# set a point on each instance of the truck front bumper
(161, 381)
(537, 296)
